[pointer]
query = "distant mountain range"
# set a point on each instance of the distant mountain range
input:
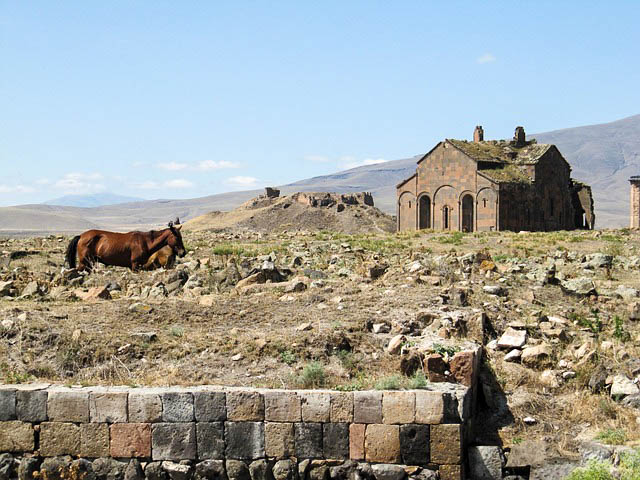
(604, 156)
(92, 200)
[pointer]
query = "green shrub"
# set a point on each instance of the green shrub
(393, 382)
(630, 465)
(418, 381)
(619, 332)
(313, 375)
(286, 356)
(612, 436)
(594, 470)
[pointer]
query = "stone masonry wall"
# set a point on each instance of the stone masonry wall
(419, 428)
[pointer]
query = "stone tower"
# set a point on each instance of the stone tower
(519, 137)
(634, 207)
(478, 134)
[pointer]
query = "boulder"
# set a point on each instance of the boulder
(512, 338)
(533, 356)
(622, 387)
(582, 286)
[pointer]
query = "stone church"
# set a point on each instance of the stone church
(493, 185)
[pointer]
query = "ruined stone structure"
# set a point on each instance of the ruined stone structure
(634, 205)
(493, 185)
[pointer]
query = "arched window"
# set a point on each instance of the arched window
(484, 202)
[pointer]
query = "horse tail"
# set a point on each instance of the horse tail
(70, 256)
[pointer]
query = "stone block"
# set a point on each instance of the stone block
(245, 406)
(59, 438)
(341, 407)
(68, 406)
(173, 441)
(356, 441)
(382, 471)
(16, 437)
(94, 440)
(382, 443)
(108, 407)
(436, 368)
(7, 405)
(367, 407)
(210, 439)
(210, 406)
(244, 440)
(446, 444)
(398, 407)
(316, 406)
(308, 440)
(279, 440)
(429, 407)
(281, 407)
(209, 470)
(335, 440)
(130, 440)
(237, 470)
(145, 407)
(177, 407)
(485, 462)
(463, 367)
(451, 472)
(31, 405)
(414, 444)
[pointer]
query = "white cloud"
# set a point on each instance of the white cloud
(352, 163)
(213, 165)
(317, 158)
(241, 181)
(16, 189)
(178, 183)
(486, 58)
(172, 166)
(148, 185)
(80, 183)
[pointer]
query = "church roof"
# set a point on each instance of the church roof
(501, 151)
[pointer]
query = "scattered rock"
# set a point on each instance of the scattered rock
(582, 286)
(512, 338)
(535, 356)
(622, 387)
(395, 344)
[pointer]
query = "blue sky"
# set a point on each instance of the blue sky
(185, 99)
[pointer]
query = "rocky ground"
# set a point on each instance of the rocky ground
(558, 314)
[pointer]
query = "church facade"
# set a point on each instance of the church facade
(493, 186)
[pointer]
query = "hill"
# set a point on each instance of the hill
(93, 200)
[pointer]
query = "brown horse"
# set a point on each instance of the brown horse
(131, 249)
(165, 257)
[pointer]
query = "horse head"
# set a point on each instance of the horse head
(175, 239)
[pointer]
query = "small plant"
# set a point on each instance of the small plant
(454, 238)
(630, 465)
(418, 381)
(176, 331)
(286, 356)
(516, 440)
(393, 382)
(442, 350)
(313, 375)
(619, 332)
(612, 436)
(354, 386)
(595, 470)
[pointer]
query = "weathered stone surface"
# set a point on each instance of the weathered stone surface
(31, 405)
(177, 407)
(7, 466)
(210, 438)
(308, 440)
(398, 407)
(56, 468)
(538, 355)
(356, 441)
(108, 407)
(59, 438)
(210, 470)
(316, 406)
(622, 386)
(318, 471)
(154, 471)
(284, 470)
(245, 406)
(414, 444)
(451, 472)
(367, 407)
(436, 368)
(382, 443)
(145, 407)
(282, 407)
(173, 441)
(133, 471)
(463, 367)
(131, 440)
(335, 439)
(346, 470)
(279, 440)
(512, 338)
(581, 287)
(237, 470)
(341, 407)
(68, 406)
(259, 470)
(94, 440)
(28, 468)
(446, 443)
(7, 405)
(244, 440)
(485, 462)
(107, 468)
(384, 471)
(429, 407)
(210, 406)
(177, 471)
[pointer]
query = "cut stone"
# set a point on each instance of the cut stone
(31, 405)
(367, 407)
(245, 406)
(335, 439)
(341, 407)
(445, 443)
(94, 440)
(356, 441)
(485, 462)
(398, 407)
(59, 438)
(429, 407)
(132, 440)
(244, 440)
(68, 406)
(145, 407)
(308, 440)
(279, 440)
(16, 437)
(316, 407)
(173, 441)
(109, 407)
(7, 405)
(210, 438)
(282, 407)
(414, 444)
(210, 406)
(382, 443)
(177, 407)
